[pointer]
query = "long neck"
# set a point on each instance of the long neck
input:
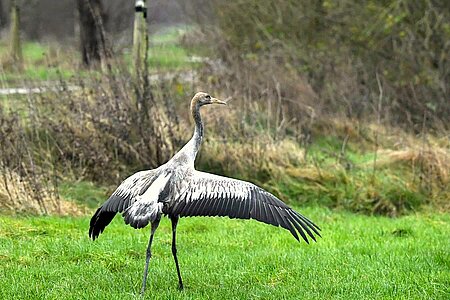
(188, 153)
(196, 139)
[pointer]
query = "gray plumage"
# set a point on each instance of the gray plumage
(176, 189)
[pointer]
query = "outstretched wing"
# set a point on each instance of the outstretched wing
(123, 197)
(211, 195)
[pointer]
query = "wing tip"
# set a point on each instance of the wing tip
(99, 221)
(302, 224)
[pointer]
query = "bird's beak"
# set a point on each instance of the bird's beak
(217, 101)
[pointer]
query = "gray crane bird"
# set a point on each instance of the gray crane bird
(176, 189)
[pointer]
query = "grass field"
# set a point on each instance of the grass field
(359, 257)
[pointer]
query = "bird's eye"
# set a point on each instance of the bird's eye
(208, 97)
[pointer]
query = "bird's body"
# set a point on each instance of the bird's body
(176, 189)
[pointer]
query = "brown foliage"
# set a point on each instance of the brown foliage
(96, 131)
(337, 50)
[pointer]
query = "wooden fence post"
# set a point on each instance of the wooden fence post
(140, 39)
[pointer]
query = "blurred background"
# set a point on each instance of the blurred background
(340, 103)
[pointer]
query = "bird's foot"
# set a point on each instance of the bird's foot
(180, 286)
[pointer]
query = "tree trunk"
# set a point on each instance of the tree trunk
(2, 16)
(15, 45)
(91, 32)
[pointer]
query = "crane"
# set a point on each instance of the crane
(176, 189)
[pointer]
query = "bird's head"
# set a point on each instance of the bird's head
(202, 98)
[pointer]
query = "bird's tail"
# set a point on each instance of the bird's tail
(141, 213)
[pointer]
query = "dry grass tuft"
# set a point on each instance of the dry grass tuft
(310, 173)
(433, 162)
(242, 159)
(21, 196)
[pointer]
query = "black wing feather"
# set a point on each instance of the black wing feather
(238, 199)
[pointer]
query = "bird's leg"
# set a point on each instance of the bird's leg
(174, 250)
(155, 225)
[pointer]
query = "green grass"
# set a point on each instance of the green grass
(359, 257)
(169, 35)
(42, 72)
(166, 51)
(31, 51)
(84, 193)
(168, 57)
(40, 61)
(34, 51)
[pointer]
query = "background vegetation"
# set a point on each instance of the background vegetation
(346, 52)
(335, 103)
(332, 104)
